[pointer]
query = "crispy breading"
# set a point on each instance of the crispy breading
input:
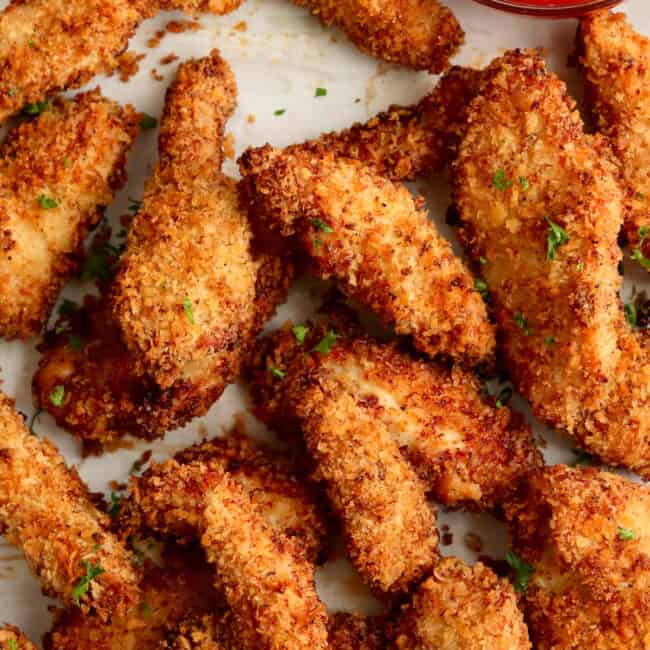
(57, 172)
(586, 534)
(388, 525)
(218, 7)
(541, 206)
(468, 452)
(420, 34)
(270, 478)
(183, 587)
(50, 45)
(464, 608)
(268, 586)
(207, 632)
(356, 632)
(615, 62)
(12, 638)
(187, 294)
(45, 510)
(374, 239)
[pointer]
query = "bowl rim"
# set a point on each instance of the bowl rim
(573, 9)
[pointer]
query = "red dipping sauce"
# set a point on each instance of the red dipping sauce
(550, 8)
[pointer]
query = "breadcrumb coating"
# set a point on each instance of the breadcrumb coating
(57, 172)
(271, 480)
(51, 45)
(46, 510)
(586, 534)
(388, 525)
(541, 206)
(374, 239)
(462, 608)
(207, 632)
(468, 452)
(269, 588)
(194, 7)
(356, 632)
(182, 588)
(615, 61)
(419, 34)
(13, 639)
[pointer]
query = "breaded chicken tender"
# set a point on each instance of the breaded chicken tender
(420, 34)
(207, 632)
(462, 608)
(467, 452)
(541, 206)
(584, 538)
(270, 479)
(615, 61)
(46, 510)
(50, 45)
(388, 525)
(12, 638)
(374, 239)
(182, 588)
(268, 586)
(57, 172)
(218, 7)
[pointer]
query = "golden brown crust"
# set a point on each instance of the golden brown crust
(218, 7)
(467, 452)
(388, 525)
(356, 632)
(49, 45)
(420, 34)
(462, 608)
(586, 533)
(74, 155)
(45, 509)
(269, 588)
(526, 162)
(374, 239)
(207, 632)
(615, 61)
(11, 638)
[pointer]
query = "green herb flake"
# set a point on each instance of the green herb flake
(317, 243)
(189, 311)
(320, 92)
(36, 108)
(640, 196)
(116, 505)
(557, 237)
(644, 231)
(12, 92)
(13, 645)
(549, 341)
(523, 571)
(504, 396)
(47, 203)
(32, 43)
(67, 162)
(631, 314)
(148, 122)
(300, 332)
(582, 458)
(638, 256)
(100, 263)
(524, 183)
(67, 307)
(280, 111)
(483, 260)
(75, 342)
(327, 343)
(321, 225)
(521, 322)
(500, 181)
(134, 205)
(81, 588)
(277, 373)
(57, 395)
(481, 286)
(625, 534)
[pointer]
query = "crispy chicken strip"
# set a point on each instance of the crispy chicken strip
(464, 608)
(388, 524)
(57, 172)
(218, 7)
(182, 588)
(420, 34)
(541, 207)
(356, 632)
(374, 239)
(46, 510)
(207, 632)
(12, 638)
(270, 479)
(583, 537)
(269, 588)
(467, 452)
(615, 61)
(50, 45)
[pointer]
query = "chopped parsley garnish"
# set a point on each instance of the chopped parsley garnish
(13, 645)
(625, 534)
(630, 314)
(36, 108)
(31, 42)
(549, 341)
(523, 571)
(321, 225)
(522, 322)
(81, 588)
(189, 311)
(47, 203)
(327, 343)
(280, 111)
(582, 458)
(75, 342)
(67, 307)
(499, 180)
(557, 237)
(481, 286)
(33, 421)
(483, 260)
(523, 183)
(67, 162)
(12, 92)
(320, 92)
(504, 396)
(57, 395)
(638, 256)
(148, 122)
(277, 373)
(134, 205)
(116, 504)
(644, 231)
(640, 196)
(300, 332)
(317, 243)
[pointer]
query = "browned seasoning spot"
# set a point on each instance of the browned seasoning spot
(251, 119)
(129, 64)
(241, 26)
(473, 542)
(169, 58)
(156, 76)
